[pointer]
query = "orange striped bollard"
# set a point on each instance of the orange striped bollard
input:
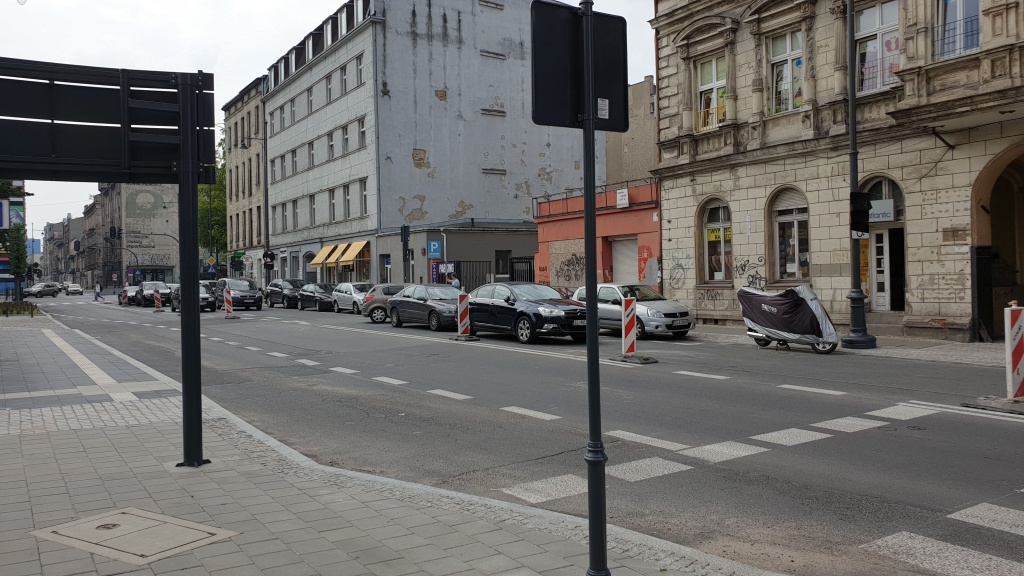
(229, 312)
(157, 304)
(629, 332)
(463, 317)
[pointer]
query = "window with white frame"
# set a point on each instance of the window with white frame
(295, 214)
(330, 87)
(885, 189)
(258, 166)
(878, 46)
(346, 201)
(309, 152)
(364, 195)
(717, 242)
(273, 170)
(309, 101)
(711, 93)
(273, 124)
(312, 209)
(284, 171)
(330, 145)
(295, 161)
(786, 71)
(344, 139)
(362, 132)
(792, 239)
(359, 70)
(284, 217)
(273, 219)
(331, 206)
(280, 116)
(291, 111)
(344, 79)
(957, 29)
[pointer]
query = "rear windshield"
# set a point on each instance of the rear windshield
(241, 284)
(362, 287)
(392, 290)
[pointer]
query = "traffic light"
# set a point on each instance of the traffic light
(237, 265)
(78, 246)
(113, 232)
(860, 209)
(405, 233)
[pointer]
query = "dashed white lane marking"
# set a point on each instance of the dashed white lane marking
(807, 389)
(849, 424)
(700, 375)
(965, 411)
(941, 557)
(232, 343)
(131, 322)
(176, 329)
(901, 412)
(531, 413)
(308, 362)
(344, 370)
(271, 318)
(278, 354)
(723, 451)
(992, 516)
(216, 339)
(548, 489)
(791, 436)
(387, 380)
(147, 324)
(656, 442)
(118, 321)
(454, 395)
(644, 469)
(161, 326)
(253, 348)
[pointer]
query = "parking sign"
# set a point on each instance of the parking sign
(433, 248)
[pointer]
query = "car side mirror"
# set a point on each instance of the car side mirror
(510, 300)
(616, 302)
(422, 299)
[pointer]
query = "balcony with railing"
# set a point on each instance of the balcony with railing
(878, 74)
(710, 118)
(956, 38)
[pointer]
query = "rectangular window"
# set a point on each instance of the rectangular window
(284, 217)
(273, 170)
(259, 225)
(362, 132)
(309, 101)
(786, 72)
(259, 166)
(256, 114)
(344, 79)
(346, 204)
(295, 161)
(331, 206)
(359, 70)
(312, 210)
(237, 183)
(958, 29)
(330, 145)
(291, 111)
(711, 93)
(793, 253)
(250, 177)
(284, 170)
(344, 139)
(295, 214)
(250, 227)
(878, 46)
(280, 115)
(718, 244)
(241, 221)
(364, 195)
(235, 131)
(248, 122)
(312, 157)
(273, 127)
(330, 86)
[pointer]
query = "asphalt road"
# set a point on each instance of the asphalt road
(855, 468)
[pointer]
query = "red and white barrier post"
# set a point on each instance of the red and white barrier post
(157, 304)
(463, 316)
(628, 326)
(229, 311)
(1014, 319)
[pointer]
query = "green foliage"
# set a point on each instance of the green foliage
(13, 242)
(19, 309)
(213, 214)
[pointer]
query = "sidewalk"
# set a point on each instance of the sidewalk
(90, 437)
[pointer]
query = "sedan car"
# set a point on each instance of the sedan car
(285, 292)
(435, 305)
(43, 289)
(206, 300)
(244, 293)
(349, 295)
(527, 310)
(375, 303)
(315, 296)
(75, 289)
(146, 294)
(127, 295)
(655, 314)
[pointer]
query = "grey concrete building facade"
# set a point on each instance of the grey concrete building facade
(753, 138)
(415, 113)
(632, 155)
(245, 182)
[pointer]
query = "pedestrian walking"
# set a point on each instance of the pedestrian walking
(99, 293)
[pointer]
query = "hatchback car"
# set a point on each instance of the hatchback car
(349, 295)
(527, 310)
(43, 289)
(206, 300)
(316, 296)
(285, 292)
(655, 314)
(244, 293)
(435, 305)
(75, 289)
(375, 303)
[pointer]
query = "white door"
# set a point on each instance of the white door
(879, 262)
(625, 255)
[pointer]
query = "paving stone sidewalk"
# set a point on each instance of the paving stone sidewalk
(86, 441)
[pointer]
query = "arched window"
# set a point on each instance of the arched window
(885, 189)
(792, 240)
(717, 242)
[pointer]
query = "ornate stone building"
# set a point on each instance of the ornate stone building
(754, 166)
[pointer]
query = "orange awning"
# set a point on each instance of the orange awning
(332, 260)
(318, 260)
(354, 249)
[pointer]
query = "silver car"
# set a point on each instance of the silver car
(348, 296)
(655, 314)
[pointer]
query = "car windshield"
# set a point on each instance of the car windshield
(202, 289)
(362, 287)
(295, 284)
(641, 292)
(535, 292)
(443, 292)
(75, 286)
(38, 285)
(154, 286)
(324, 288)
(240, 285)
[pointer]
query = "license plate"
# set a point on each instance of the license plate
(579, 322)
(681, 321)
(249, 300)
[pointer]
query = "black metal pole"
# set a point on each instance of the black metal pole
(188, 247)
(596, 457)
(266, 196)
(858, 338)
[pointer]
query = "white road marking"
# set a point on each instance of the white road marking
(147, 324)
(992, 516)
(901, 412)
(966, 411)
(531, 413)
(687, 343)
(161, 326)
(216, 339)
(233, 343)
(850, 424)
(723, 451)
(941, 557)
(344, 370)
(271, 318)
(308, 362)
(176, 329)
(132, 322)
(791, 436)
(454, 395)
(656, 442)
(278, 354)
(644, 469)
(253, 348)
(806, 389)
(118, 321)
(700, 375)
(387, 380)
(548, 489)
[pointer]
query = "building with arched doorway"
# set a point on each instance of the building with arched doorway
(753, 137)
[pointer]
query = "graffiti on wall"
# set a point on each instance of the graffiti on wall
(751, 270)
(570, 270)
(679, 264)
(707, 299)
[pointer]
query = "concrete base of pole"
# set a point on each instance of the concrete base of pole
(231, 317)
(158, 310)
(461, 338)
(996, 404)
(634, 359)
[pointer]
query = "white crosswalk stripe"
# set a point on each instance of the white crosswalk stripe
(645, 469)
(548, 489)
(531, 413)
(943, 558)
(791, 436)
(849, 424)
(344, 370)
(387, 380)
(308, 362)
(723, 451)
(808, 389)
(901, 412)
(702, 375)
(992, 516)
(656, 442)
(454, 395)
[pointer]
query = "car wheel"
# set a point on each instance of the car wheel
(378, 315)
(434, 321)
(259, 307)
(337, 308)
(299, 305)
(213, 307)
(38, 295)
(396, 320)
(524, 330)
(270, 302)
(681, 333)
(54, 294)
(762, 342)
(578, 337)
(824, 347)
(355, 309)
(173, 308)
(641, 332)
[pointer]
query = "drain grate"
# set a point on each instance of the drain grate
(133, 536)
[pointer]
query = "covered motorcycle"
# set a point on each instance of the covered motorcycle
(793, 315)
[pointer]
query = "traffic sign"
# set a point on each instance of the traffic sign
(211, 260)
(433, 248)
(212, 269)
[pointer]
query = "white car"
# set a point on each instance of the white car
(75, 289)
(349, 296)
(655, 314)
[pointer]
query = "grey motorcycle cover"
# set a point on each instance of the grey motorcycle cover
(793, 315)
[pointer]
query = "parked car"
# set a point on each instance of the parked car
(285, 292)
(146, 295)
(75, 289)
(527, 310)
(435, 305)
(127, 295)
(206, 299)
(375, 303)
(315, 296)
(655, 314)
(349, 295)
(43, 289)
(171, 286)
(244, 293)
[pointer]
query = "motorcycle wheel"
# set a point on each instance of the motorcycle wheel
(824, 348)
(762, 342)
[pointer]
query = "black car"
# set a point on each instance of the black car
(206, 300)
(435, 305)
(285, 292)
(146, 294)
(316, 296)
(527, 310)
(244, 293)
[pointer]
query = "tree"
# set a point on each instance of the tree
(213, 210)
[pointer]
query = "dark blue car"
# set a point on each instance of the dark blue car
(527, 310)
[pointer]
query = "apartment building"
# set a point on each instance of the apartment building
(409, 113)
(753, 137)
(244, 154)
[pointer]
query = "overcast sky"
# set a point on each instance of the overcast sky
(237, 40)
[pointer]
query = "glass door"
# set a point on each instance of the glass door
(880, 270)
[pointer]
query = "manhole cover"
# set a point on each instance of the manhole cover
(134, 536)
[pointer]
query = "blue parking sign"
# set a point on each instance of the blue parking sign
(433, 248)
